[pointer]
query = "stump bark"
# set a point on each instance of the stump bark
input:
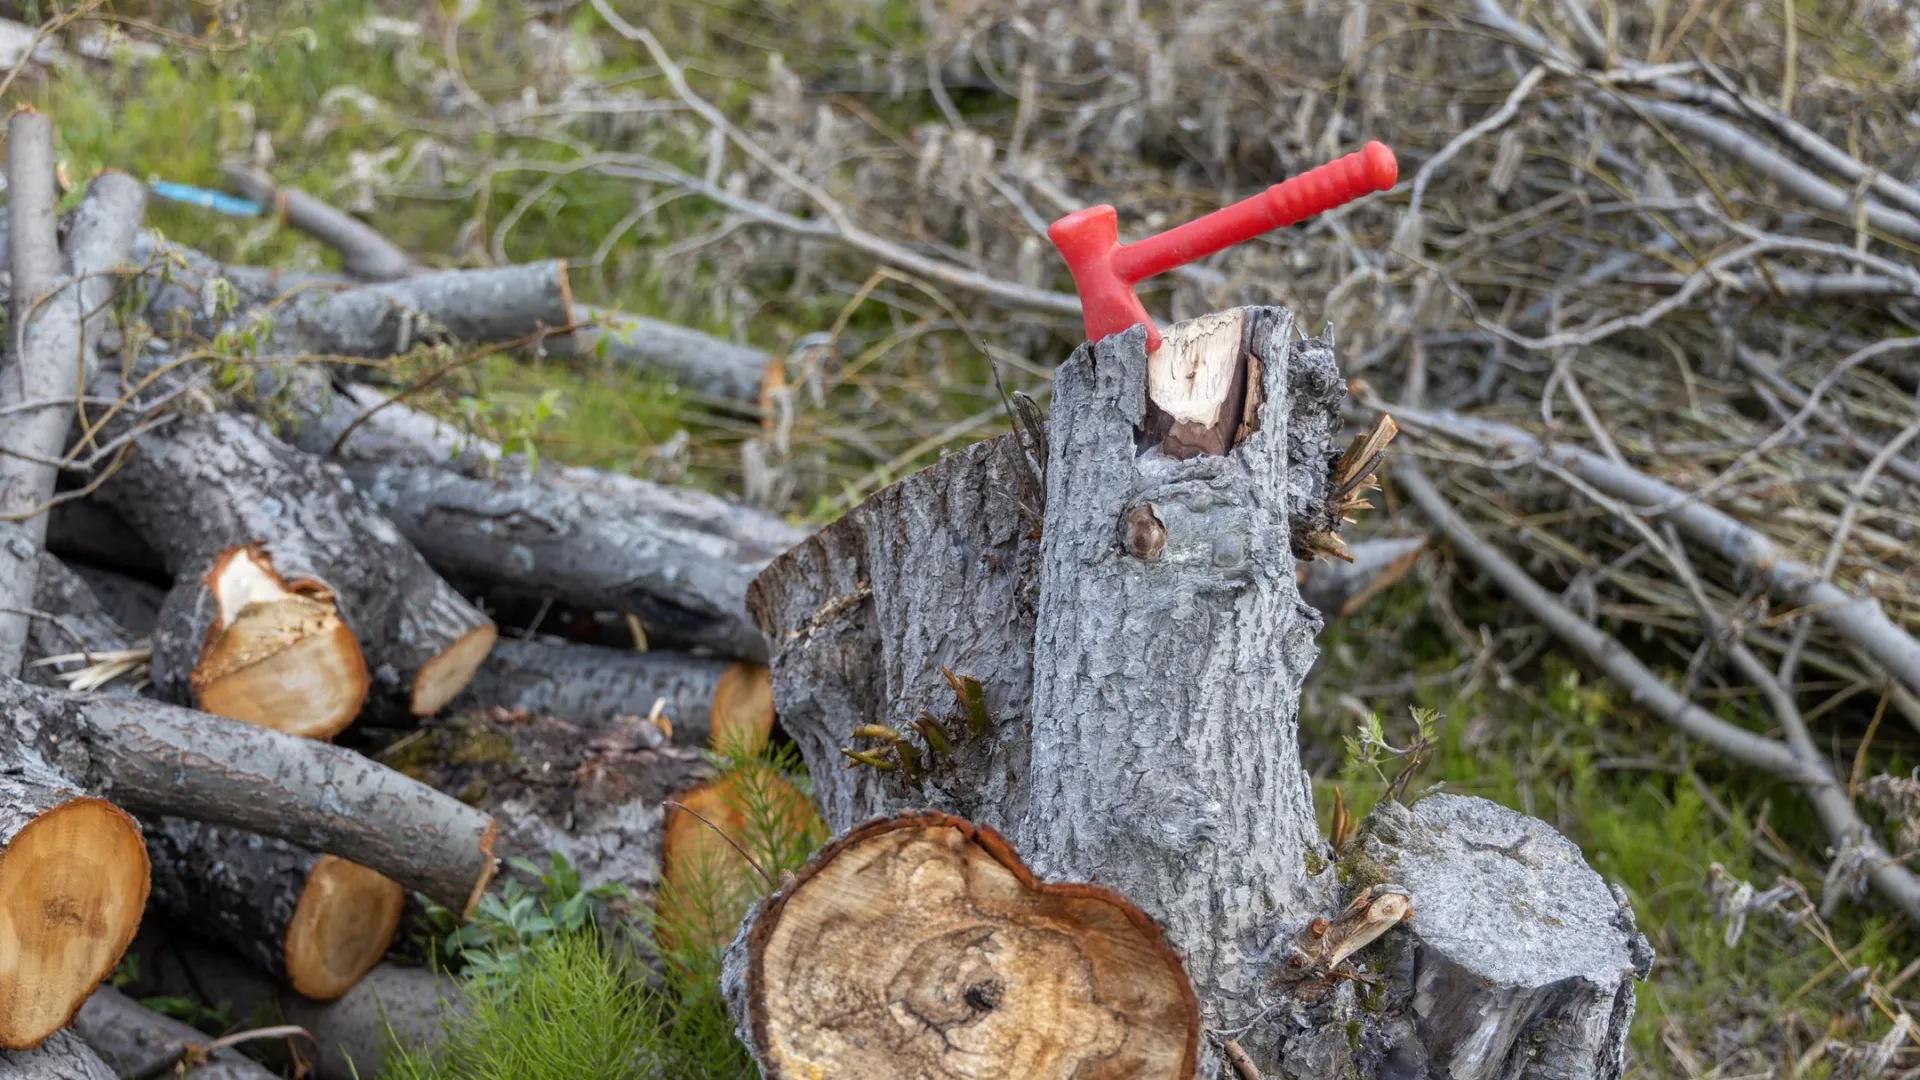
(294, 597)
(1113, 674)
(316, 920)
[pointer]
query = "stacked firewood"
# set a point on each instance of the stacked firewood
(223, 599)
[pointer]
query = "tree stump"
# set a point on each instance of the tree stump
(1112, 675)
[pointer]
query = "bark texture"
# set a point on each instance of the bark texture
(590, 686)
(475, 306)
(212, 483)
(941, 569)
(679, 560)
(700, 362)
(132, 603)
(62, 1057)
(133, 1040)
(157, 759)
(316, 920)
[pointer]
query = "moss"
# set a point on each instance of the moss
(1316, 863)
(1358, 870)
(1354, 1028)
(481, 747)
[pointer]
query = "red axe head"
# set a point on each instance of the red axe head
(1104, 271)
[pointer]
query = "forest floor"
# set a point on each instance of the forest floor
(373, 108)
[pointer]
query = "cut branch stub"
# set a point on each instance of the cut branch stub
(73, 881)
(921, 945)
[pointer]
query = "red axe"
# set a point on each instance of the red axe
(1104, 270)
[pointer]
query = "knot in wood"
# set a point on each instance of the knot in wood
(1143, 532)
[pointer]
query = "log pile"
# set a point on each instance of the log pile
(222, 602)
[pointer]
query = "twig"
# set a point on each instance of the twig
(751, 861)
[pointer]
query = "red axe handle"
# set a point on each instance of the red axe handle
(1105, 272)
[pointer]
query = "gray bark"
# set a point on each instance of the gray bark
(83, 627)
(216, 481)
(352, 1033)
(705, 364)
(1158, 744)
(364, 253)
(474, 306)
(157, 759)
(133, 1040)
(941, 569)
(590, 686)
(680, 560)
(62, 1057)
(132, 603)
(57, 321)
(1211, 832)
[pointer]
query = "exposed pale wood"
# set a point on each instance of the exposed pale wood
(921, 946)
(158, 759)
(73, 881)
(317, 920)
(703, 876)
(212, 485)
(1197, 385)
(133, 1040)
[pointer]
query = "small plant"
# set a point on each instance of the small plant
(1369, 746)
(513, 918)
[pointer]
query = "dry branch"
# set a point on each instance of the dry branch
(285, 577)
(318, 921)
(135, 1041)
(156, 759)
(700, 362)
(74, 628)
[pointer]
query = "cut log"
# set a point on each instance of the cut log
(590, 687)
(317, 920)
(285, 577)
(364, 253)
(73, 882)
(679, 560)
(133, 1040)
(706, 883)
(595, 795)
(56, 320)
(702, 363)
(1163, 644)
(921, 946)
(157, 759)
(1337, 588)
(740, 721)
(354, 1034)
(496, 305)
(62, 1057)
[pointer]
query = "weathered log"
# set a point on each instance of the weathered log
(1156, 736)
(939, 570)
(593, 794)
(156, 759)
(1337, 588)
(284, 578)
(73, 881)
(133, 1040)
(57, 320)
(920, 945)
(495, 305)
(62, 1057)
(364, 253)
(319, 921)
(354, 1034)
(132, 603)
(590, 686)
(705, 364)
(677, 559)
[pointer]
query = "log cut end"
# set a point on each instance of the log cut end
(705, 882)
(277, 654)
(341, 927)
(73, 883)
(921, 946)
(1518, 952)
(443, 677)
(742, 715)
